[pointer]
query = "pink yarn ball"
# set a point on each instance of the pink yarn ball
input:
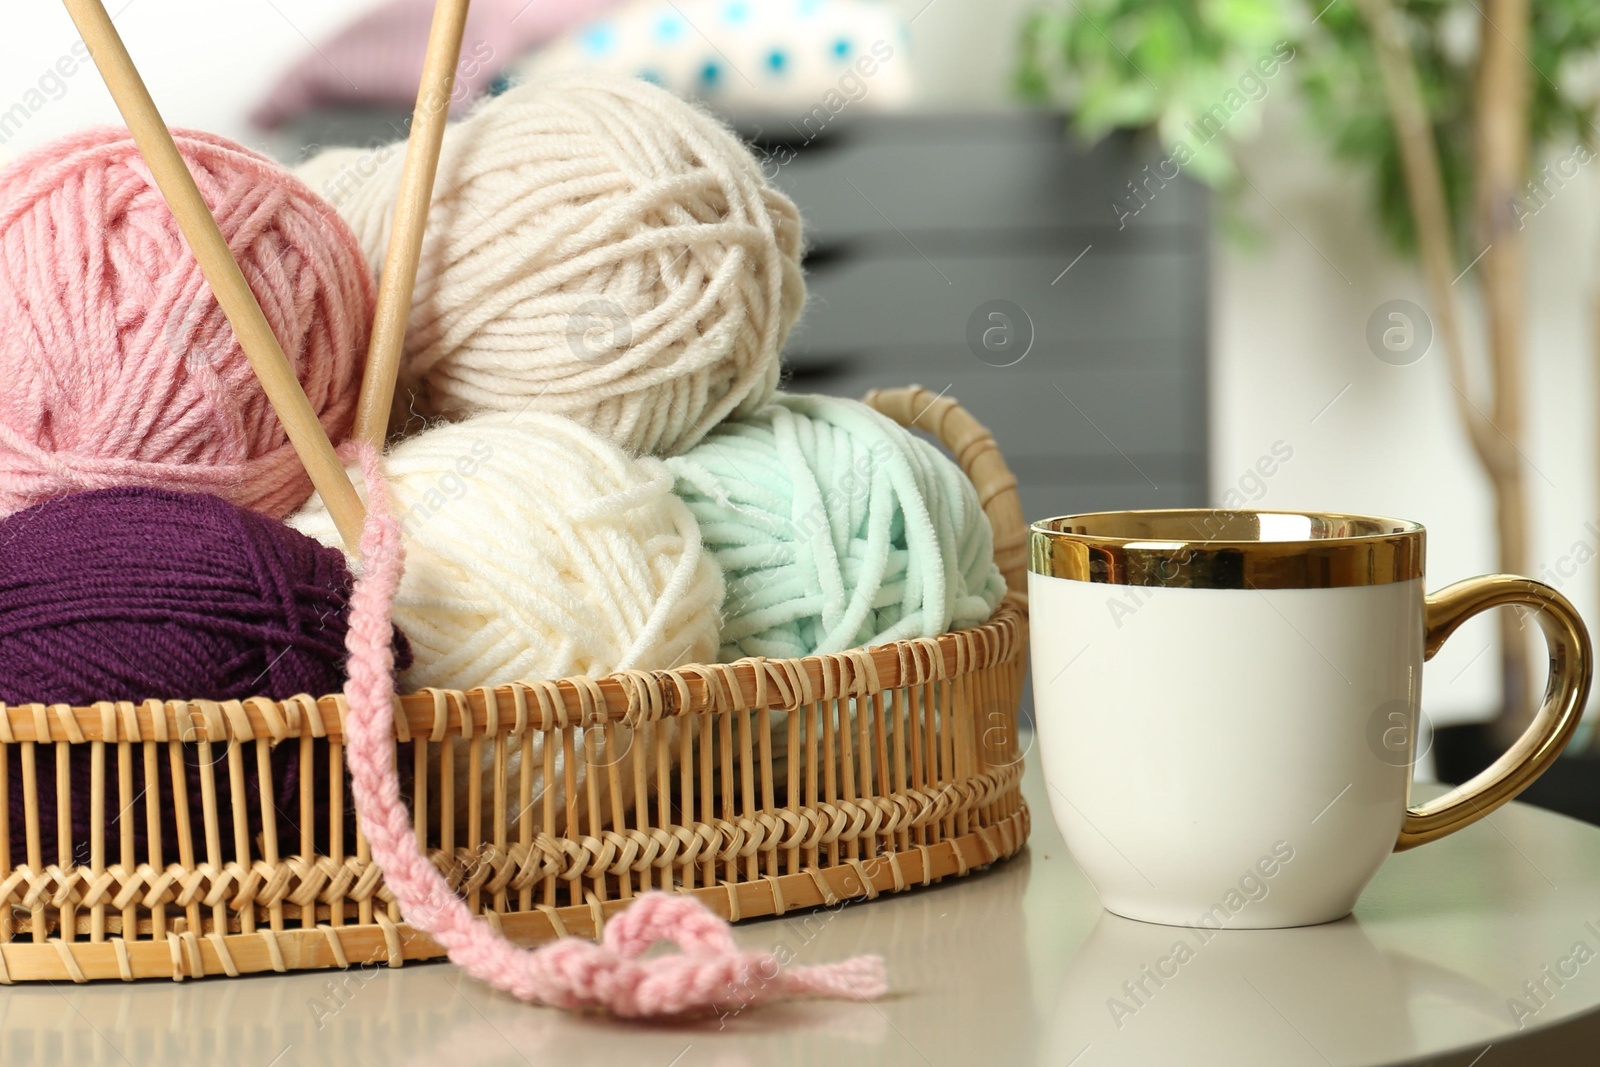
(118, 366)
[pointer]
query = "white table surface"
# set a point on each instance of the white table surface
(1012, 966)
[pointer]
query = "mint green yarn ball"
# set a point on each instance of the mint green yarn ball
(836, 528)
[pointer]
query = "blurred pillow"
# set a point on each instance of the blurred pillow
(377, 59)
(786, 57)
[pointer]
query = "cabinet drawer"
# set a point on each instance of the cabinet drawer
(909, 300)
(873, 173)
(1109, 415)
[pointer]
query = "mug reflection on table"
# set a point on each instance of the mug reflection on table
(1134, 992)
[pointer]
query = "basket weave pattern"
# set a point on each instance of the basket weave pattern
(889, 767)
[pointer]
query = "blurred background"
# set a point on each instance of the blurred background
(1174, 252)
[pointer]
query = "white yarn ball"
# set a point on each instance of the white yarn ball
(596, 248)
(535, 549)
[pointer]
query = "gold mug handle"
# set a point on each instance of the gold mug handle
(1571, 669)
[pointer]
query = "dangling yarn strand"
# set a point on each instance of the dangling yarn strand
(569, 973)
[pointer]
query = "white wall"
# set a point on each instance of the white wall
(206, 63)
(964, 51)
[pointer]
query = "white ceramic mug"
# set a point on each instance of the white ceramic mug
(1227, 701)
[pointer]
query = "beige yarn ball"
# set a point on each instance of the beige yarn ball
(596, 248)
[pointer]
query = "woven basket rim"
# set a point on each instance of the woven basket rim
(625, 697)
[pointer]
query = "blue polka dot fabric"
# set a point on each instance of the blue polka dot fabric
(670, 28)
(599, 39)
(819, 57)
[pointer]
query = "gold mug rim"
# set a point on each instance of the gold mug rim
(1159, 547)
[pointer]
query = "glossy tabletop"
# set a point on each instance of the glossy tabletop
(1482, 949)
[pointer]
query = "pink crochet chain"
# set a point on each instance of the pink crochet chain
(710, 972)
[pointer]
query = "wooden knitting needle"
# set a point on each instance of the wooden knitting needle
(399, 279)
(221, 270)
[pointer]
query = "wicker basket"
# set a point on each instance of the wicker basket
(895, 766)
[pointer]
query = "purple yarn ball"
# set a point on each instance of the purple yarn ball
(138, 593)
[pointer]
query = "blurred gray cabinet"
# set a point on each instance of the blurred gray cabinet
(915, 223)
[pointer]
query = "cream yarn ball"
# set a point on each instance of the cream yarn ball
(596, 248)
(536, 549)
